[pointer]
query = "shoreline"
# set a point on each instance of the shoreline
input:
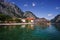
(15, 23)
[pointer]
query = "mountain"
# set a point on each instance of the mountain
(29, 14)
(56, 19)
(10, 9)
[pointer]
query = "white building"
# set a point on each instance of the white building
(32, 21)
(23, 20)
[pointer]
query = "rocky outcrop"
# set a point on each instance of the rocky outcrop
(42, 21)
(56, 19)
(29, 14)
(13, 11)
(10, 9)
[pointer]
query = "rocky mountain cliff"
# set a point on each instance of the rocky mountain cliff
(56, 19)
(29, 14)
(10, 9)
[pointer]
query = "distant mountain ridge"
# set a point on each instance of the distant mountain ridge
(29, 14)
(12, 10)
(56, 19)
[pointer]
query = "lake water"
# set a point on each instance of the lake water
(30, 32)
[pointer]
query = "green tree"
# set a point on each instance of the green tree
(4, 17)
(18, 20)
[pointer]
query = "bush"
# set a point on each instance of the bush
(18, 20)
(4, 17)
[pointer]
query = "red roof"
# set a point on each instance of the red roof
(30, 18)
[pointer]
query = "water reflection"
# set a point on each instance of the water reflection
(42, 26)
(57, 26)
(29, 32)
(28, 26)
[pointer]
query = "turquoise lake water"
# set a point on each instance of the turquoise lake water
(30, 32)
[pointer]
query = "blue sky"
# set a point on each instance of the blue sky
(41, 8)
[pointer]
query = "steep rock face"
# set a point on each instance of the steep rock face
(56, 19)
(42, 21)
(29, 14)
(10, 9)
